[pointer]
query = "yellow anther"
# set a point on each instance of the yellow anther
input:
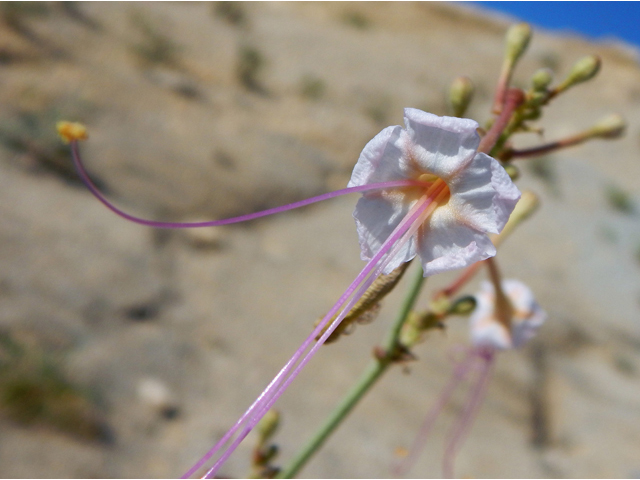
(71, 131)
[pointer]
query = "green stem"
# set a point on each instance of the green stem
(373, 372)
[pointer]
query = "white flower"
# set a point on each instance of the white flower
(489, 331)
(427, 191)
(473, 194)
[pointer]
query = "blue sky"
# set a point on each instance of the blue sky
(594, 20)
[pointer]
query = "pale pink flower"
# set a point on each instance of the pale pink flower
(489, 334)
(488, 331)
(426, 190)
(477, 196)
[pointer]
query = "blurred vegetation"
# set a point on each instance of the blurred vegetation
(248, 67)
(30, 133)
(34, 391)
(14, 14)
(378, 108)
(73, 10)
(231, 12)
(312, 87)
(619, 199)
(155, 48)
(356, 20)
(17, 16)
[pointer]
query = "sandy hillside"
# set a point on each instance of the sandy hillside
(126, 352)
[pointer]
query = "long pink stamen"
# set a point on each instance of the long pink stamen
(86, 179)
(459, 375)
(403, 232)
(272, 393)
(465, 422)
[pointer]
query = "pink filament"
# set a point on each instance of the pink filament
(86, 179)
(474, 357)
(402, 233)
(463, 425)
(460, 373)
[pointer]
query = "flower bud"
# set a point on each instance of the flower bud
(517, 40)
(268, 425)
(583, 70)
(512, 171)
(411, 332)
(463, 306)
(269, 454)
(542, 79)
(611, 126)
(528, 203)
(532, 114)
(537, 99)
(525, 207)
(460, 95)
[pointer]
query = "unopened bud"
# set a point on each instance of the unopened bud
(525, 207)
(411, 332)
(532, 114)
(270, 453)
(512, 171)
(611, 126)
(71, 131)
(537, 99)
(542, 79)
(460, 95)
(528, 203)
(268, 425)
(583, 70)
(517, 40)
(463, 306)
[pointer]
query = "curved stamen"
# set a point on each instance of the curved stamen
(463, 425)
(86, 179)
(459, 375)
(401, 234)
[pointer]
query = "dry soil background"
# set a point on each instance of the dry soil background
(126, 351)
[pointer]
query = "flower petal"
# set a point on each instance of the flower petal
(444, 243)
(482, 195)
(487, 331)
(507, 194)
(380, 159)
(473, 195)
(441, 145)
(529, 316)
(376, 217)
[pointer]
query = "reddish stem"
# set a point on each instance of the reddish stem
(459, 282)
(503, 308)
(546, 148)
(513, 99)
(501, 88)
